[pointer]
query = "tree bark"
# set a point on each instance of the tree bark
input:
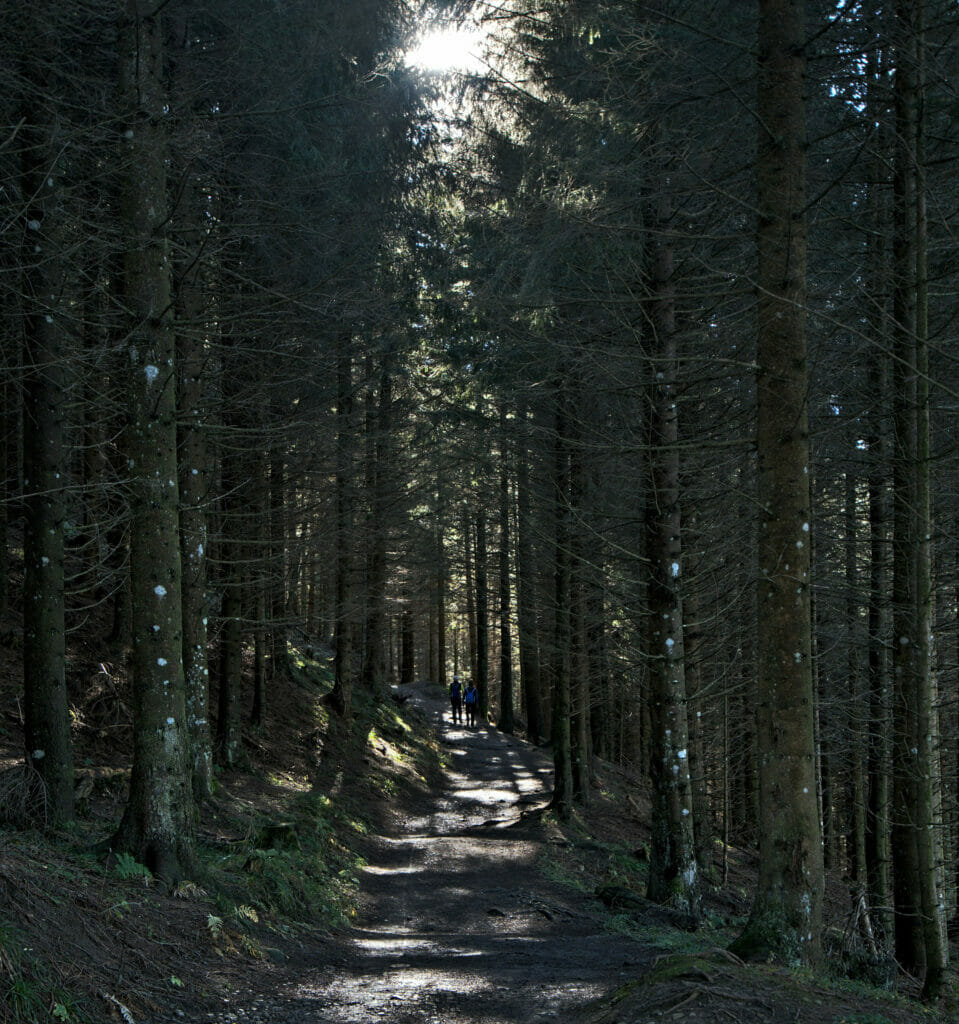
(562, 799)
(407, 644)
(578, 644)
(857, 851)
(919, 926)
(786, 917)
(920, 939)
(506, 723)
(673, 870)
(692, 650)
(469, 560)
(194, 486)
(374, 659)
(281, 597)
(341, 696)
(877, 390)
(441, 593)
(526, 587)
(157, 824)
(482, 617)
(48, 746)
(229, 740)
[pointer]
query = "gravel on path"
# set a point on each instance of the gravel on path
(458, 923)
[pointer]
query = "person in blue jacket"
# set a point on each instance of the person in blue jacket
(471, 700)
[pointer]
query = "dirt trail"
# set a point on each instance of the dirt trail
(457, 923)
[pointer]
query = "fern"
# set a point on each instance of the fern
(127, 867)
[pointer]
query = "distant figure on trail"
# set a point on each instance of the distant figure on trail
(471, 699)
(456, 700)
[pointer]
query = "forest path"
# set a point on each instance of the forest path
(458, 924)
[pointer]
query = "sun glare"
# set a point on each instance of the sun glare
(448, 50)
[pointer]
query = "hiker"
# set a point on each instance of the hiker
(456, 700)
(471, 699)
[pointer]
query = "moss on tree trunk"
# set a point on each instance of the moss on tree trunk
(157, 825)
(786, 919)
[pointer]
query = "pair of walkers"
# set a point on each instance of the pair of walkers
(460, 698)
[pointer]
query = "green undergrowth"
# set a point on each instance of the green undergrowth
(301, 870)
(309, 672)
(278, 856)
(581, 862)
(770, 993)
(687, 966)
(29, 991)
(297, 872)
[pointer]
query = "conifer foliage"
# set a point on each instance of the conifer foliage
(610, 371)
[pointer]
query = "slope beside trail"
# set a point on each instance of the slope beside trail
(457, 923)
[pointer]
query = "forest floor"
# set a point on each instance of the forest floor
(410, 873)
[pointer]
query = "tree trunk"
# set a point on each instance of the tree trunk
(692, 649)
(228, 735)
(260, 561)
(919, 927)
(194, 487)
(281, 597)
(341, 696)
(48, 746)
(673, 871)
(374, 659)
(526, 587)
(441, 624)
(260, 655)
(579, 664)
(506, 724)
(432, 656)
(470, 594)
(786, 917)
(408, 645)
(877, 668)
(562, 799)
(601, 711)
(6, 494)
(482, 617)
(157, 824)
(857, 853)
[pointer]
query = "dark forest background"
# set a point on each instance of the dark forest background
(305, 347)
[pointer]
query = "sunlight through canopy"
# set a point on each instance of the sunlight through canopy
(449, 50)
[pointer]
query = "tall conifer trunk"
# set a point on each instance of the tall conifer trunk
(562, 799)
(693, 661)
(919, 925)
(281, 588)
(374, 658)
(482, 617)
(857, 851)
(470, 594)
(407, 644)
(526, 586)
(47, 740)
(505, 723)
(441, 588)
(875, 430)
(341, 696)
(673, 870)
(194, 484)
(157, 825)
(786, 917)
(578, 644)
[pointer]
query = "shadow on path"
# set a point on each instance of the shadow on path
(459, 925)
